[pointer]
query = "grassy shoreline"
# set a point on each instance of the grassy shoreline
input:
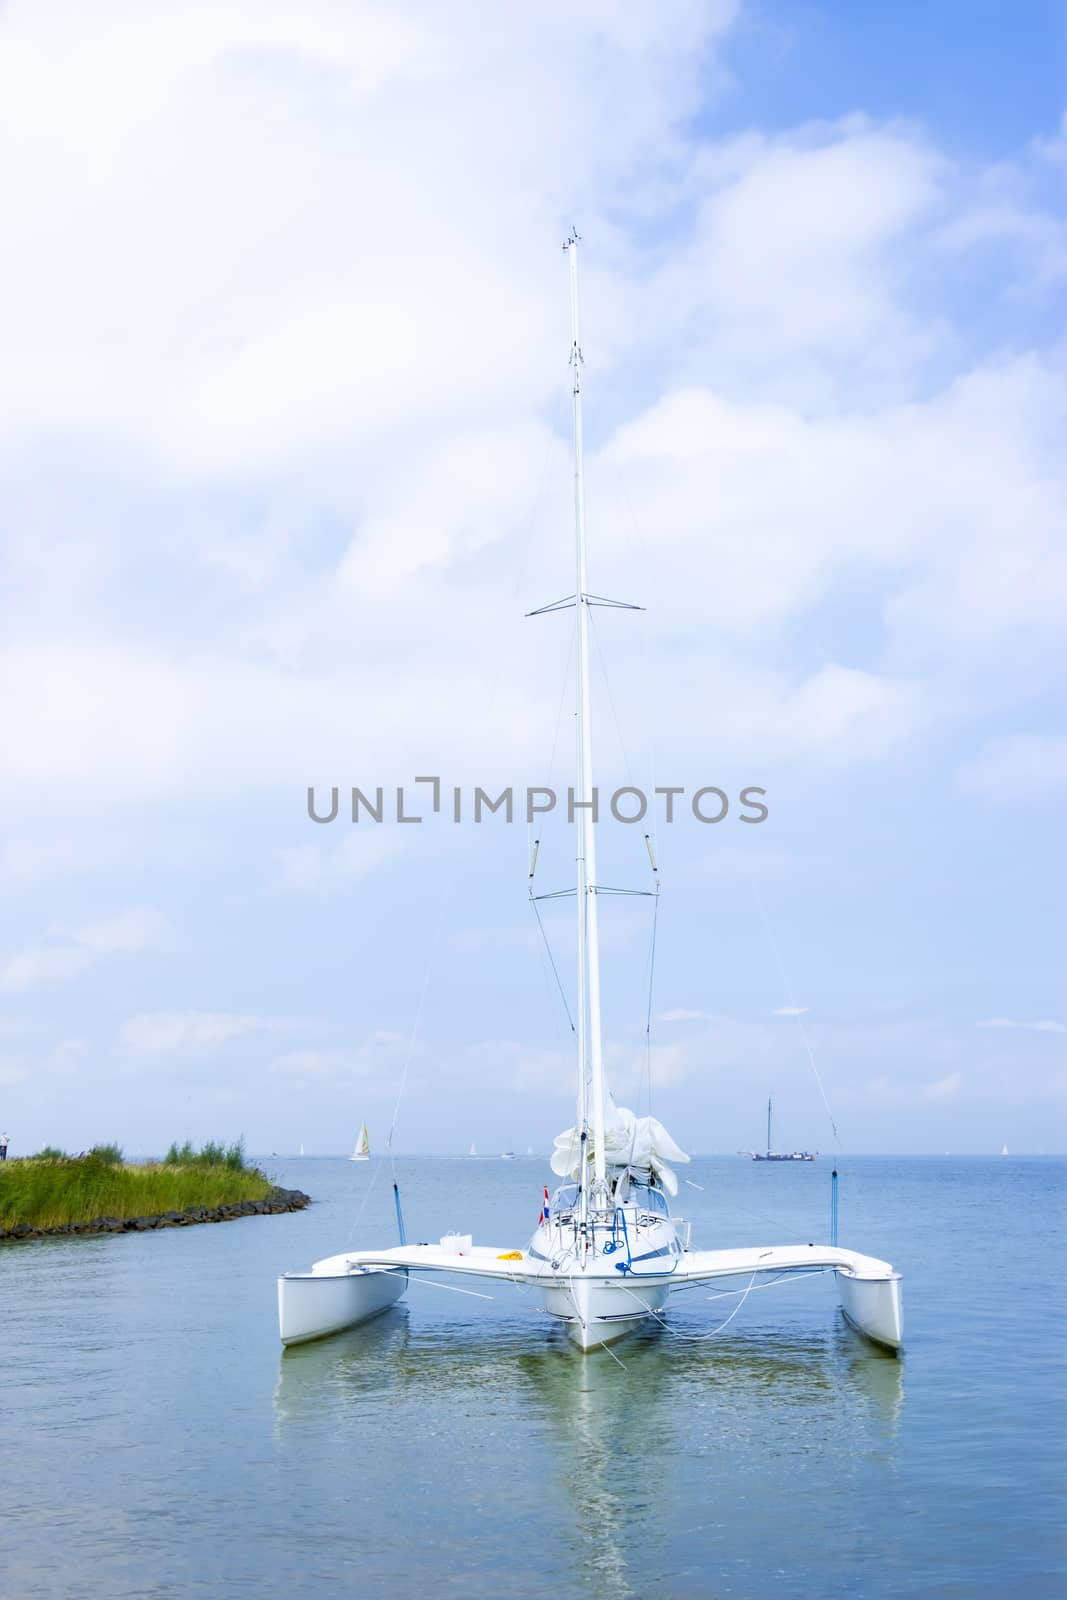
(52, 1190)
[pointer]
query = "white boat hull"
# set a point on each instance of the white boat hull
(872, 1306)
(314, 1304)
(598, 1311)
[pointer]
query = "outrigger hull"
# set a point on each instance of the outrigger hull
(332, 1296)
(872, 1306)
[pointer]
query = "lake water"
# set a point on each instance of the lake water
(157, 1442)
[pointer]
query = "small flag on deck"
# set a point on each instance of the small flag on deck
(544, 1208)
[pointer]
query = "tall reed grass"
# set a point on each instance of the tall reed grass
(50, 1189)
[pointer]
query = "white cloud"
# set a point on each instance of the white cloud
(1020, 767)
(790, 1011)
(365, 1060)
(514, 1067)
(795, 250)
(1030, 1027)
(284, 441)
(12, 1073)
(68, 1056)
(70, 953)
(767, 505)
(508, 938)
(44, 964)
(950, 508)
(1013, 209)
(313, 1063)
(140, 929)
(939, 1089)
(315, 868)
(296, 179)
(166, 1032)
(25, 860)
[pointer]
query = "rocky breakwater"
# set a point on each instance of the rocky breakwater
(277, 1201)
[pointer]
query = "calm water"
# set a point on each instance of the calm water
(157, 1442)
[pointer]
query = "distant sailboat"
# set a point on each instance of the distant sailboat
(362, 1150)
(472, 1151)
(1003, 1149)
(780, 1155)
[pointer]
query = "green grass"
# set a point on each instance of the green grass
(50, 1189)
(212, 1154)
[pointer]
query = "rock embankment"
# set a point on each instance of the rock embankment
(277, 1200)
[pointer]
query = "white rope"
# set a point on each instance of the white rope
(699, 1338)
(432, 1283)
(648, 1311)
(722, 1294)
(606, 1348)
(772, 1283)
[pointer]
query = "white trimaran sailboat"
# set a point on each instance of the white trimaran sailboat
(607, 1253)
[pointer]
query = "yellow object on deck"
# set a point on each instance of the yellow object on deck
(511, 1255)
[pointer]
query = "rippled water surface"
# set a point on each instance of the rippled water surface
(156, 1441)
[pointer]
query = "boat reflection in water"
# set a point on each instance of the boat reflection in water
(631, 1462)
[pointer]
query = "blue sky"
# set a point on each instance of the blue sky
(285, 460)
(979, 85)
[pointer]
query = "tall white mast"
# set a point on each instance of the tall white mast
(590, 1051)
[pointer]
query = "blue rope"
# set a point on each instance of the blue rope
(627, 1266)
(833, 1207)
(399, 1213)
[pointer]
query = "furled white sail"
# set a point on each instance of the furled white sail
(629, 1141)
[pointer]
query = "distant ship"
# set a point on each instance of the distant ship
(780, 1155)
(1003, 1149)
(472, 1151)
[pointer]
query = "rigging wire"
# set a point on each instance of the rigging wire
(379, 1167)
(797, 1018)
(648, 1015)
(412, 1044)
(552, 964)
(611, 698)
(653, 854)
(530, 855)
(567, 673)
(640, 547)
